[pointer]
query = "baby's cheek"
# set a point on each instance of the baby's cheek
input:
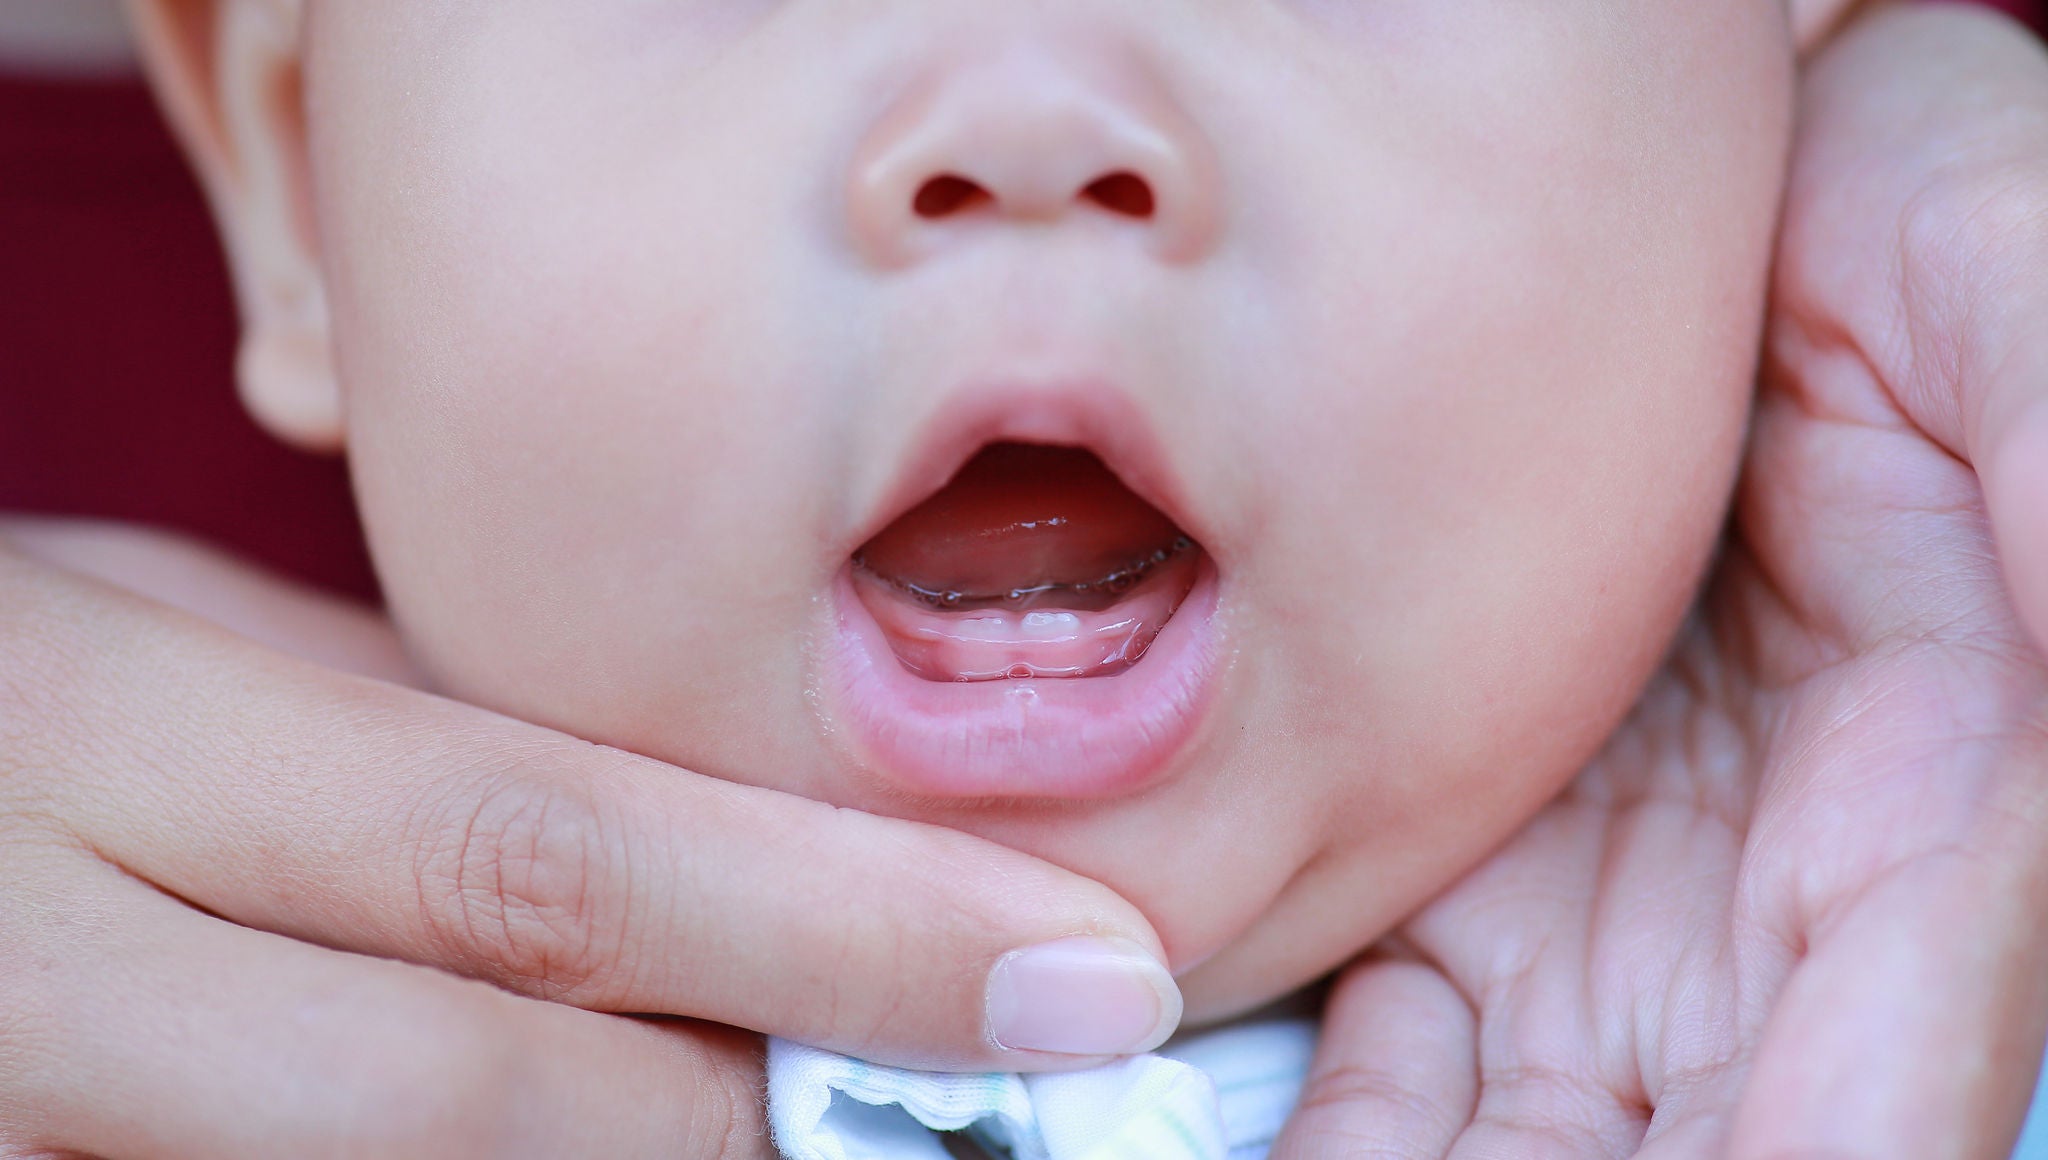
(1508, 451)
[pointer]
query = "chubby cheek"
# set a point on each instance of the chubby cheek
(1519, 371)
(566, 438)
(1522, 347)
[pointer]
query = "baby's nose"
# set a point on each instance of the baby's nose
(1034, 131)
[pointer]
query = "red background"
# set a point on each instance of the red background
(116, 340)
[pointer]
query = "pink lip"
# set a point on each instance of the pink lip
(1072, 738)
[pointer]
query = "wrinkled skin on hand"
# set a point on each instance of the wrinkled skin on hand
(1794, 908)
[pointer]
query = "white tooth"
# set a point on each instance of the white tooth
(1046, 624)
(988, 628)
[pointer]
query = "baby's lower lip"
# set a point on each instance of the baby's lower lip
(1038, 737)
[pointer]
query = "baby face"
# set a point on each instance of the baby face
(1250, 452)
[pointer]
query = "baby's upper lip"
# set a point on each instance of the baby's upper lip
(1088, 412)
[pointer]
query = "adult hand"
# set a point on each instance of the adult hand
(1795, 909)
(221, 863)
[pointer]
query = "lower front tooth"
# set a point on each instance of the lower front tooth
(1047, 624)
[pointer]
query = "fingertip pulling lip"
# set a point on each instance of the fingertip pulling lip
(1077, 739)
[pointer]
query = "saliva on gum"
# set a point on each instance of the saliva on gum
(1091, 595)
(1097, 627)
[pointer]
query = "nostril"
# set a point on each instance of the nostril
(1122, 193)
(948, 194)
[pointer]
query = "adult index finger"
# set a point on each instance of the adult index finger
(372, 818)
(1916, 244)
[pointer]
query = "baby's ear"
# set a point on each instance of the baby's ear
(228, 75)
(1813, 21)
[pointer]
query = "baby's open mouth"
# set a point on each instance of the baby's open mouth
(1035, 628)
(1033, 561)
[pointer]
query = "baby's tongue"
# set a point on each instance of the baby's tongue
(1033, 562)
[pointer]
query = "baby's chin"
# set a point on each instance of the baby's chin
(1249, 912)
(1234, 943)
(1231, 941)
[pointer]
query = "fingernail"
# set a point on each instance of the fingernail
(1082, 996)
